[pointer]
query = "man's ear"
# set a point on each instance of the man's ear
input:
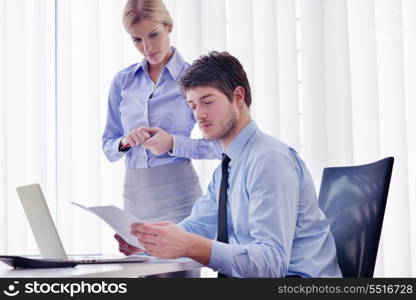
(169, 27)
(239, 95)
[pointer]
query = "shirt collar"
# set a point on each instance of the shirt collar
(141, 65)
(174, 65)
(237, 145)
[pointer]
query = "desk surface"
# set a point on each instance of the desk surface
(151, 267)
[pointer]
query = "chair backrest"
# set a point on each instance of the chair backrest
(354, 199)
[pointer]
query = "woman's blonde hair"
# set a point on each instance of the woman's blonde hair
(136, 11)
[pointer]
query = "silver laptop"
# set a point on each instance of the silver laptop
(47, 237)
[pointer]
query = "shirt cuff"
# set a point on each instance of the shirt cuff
(182, 225)
(110, 149)
(221, 259)
(180, 146)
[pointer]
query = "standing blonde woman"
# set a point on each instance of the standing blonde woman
(149, 123)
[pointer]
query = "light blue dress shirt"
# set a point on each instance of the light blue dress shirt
(135, 101)
(274, 223)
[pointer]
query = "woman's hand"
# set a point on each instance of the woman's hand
(153, 138)
(160, 142)
(125, 247)
(135, 137)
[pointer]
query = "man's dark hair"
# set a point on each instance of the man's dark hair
(219, 70)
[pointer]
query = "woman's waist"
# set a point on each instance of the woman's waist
(144, 159)
(166, 172)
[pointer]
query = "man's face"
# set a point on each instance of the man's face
(217, 117)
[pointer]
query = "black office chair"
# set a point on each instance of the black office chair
(354, 199)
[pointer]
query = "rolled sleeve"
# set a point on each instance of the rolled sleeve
(184, 146)
(221, 259)
(111, 150)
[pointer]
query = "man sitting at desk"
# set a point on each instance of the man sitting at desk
(260, 217)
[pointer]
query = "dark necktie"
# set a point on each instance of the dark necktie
(222, 205)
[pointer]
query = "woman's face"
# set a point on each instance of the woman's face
(152, 40)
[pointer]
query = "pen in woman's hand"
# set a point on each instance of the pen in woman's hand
(125, 146)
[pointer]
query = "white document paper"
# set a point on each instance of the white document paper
(119, 220)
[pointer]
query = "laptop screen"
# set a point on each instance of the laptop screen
(40, 221)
